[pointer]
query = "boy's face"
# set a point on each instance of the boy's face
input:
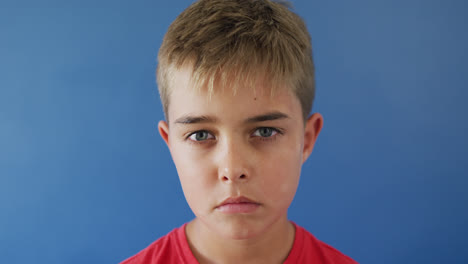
(243, 145)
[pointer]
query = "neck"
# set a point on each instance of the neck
(272, 246)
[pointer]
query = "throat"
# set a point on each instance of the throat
(271, 245)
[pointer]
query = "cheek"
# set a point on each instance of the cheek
(280, 176)
(195, 176)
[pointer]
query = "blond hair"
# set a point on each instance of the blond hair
(239, 41)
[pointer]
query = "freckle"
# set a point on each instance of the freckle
(255, 98)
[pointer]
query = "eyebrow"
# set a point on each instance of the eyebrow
(195, 120)
(267, 117)
(209, 119)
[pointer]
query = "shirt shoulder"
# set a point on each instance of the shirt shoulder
(333, 255)
(308, 249)
(171, 248)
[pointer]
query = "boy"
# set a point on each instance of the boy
(236, 80)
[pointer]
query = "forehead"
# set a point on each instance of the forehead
(228, 102)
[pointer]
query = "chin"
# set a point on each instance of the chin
(239, 230)
(239, 234)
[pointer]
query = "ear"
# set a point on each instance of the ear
(312, 130)
(163, 128)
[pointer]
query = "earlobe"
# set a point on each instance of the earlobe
(312, 129)
(163, 128)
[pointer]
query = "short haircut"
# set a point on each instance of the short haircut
(236, 42)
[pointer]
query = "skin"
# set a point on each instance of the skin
(223, 147)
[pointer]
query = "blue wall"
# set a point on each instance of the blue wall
(85, 178)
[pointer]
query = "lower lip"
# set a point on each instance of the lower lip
(237, 208)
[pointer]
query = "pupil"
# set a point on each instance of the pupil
(265, 132)
(201, 135)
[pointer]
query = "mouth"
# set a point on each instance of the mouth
(237, 205)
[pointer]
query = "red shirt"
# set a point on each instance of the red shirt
(174, 248)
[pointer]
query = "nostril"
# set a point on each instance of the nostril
(242, 176)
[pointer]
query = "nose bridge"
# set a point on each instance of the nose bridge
(233, 163)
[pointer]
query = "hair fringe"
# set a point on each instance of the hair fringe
(234, 43)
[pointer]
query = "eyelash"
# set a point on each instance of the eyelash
(271, 138)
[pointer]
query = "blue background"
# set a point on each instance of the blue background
(85, 177)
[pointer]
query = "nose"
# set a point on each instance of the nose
(233, 163)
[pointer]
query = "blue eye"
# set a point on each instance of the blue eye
(200, 136)
(265, 132)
